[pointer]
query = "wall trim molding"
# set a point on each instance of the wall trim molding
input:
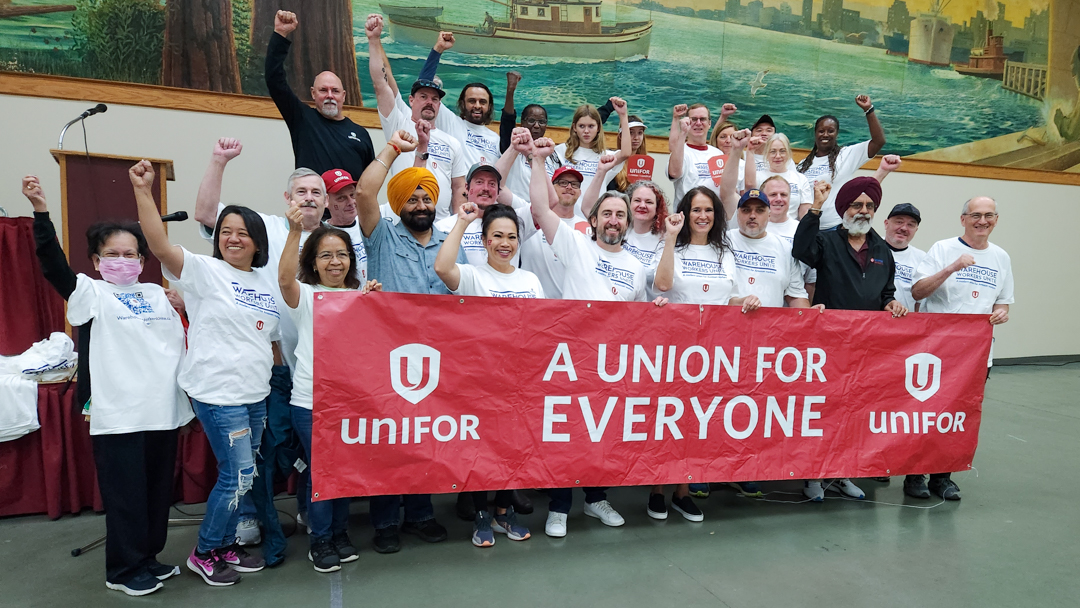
(170, 98)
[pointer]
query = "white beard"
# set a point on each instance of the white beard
(858, 225)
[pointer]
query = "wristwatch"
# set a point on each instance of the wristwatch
(424, 156)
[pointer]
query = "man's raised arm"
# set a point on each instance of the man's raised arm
(377, 68)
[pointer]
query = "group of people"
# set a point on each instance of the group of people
(468, 211)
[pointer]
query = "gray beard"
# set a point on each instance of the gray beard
(858, 225)
(328, 112)
(609, 240)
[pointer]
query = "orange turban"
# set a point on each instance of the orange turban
(404, 184)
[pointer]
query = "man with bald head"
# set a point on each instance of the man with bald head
(323, 138)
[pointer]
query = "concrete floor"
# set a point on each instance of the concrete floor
(1014, 540)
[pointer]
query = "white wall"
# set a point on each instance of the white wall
(1037, 227)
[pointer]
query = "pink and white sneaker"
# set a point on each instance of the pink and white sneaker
(239, 559)
(213, 570)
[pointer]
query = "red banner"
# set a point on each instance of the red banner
(433, 394)
(639, 167)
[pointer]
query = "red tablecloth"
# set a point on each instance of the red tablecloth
(52, 470)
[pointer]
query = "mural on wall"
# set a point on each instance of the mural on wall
(976, 81)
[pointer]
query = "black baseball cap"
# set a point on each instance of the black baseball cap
(479, 167)
(424, 83)
(907, 209)
(764, 120)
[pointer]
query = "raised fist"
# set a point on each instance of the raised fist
(679, 110)
(673, 224)
(444, 42)
(543, 147)
(522, 140)
(31, 189)
(864, 102)
(512, 80)
(373, 26)
(423, 133)
(285, 22)
(727, 110)
(227, 148)
(142, 174)
(404, 141)
(890, 162)
(620, 105)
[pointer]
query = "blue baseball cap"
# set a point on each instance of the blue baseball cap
(754, 195)
(423, 83)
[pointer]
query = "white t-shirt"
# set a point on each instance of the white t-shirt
(586, 161)
(786, 231)
(234, 317)
(479, 144)
(645, 247)
(539, 258)
(973, 290)
(445, 156)
(696, 172)
(764, 268)
(847, 163)
(802, 191)
(702, 276)
(358, 248)
(303, 316)
(138, 343)
(485, 281)
(907, 262)
(472, 242)
(593, 273)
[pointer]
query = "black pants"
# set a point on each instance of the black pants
(503, 499)
(135, 476)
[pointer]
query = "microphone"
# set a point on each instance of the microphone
(98, 109)
(179, 216)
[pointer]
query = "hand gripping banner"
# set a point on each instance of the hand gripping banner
(431, 394)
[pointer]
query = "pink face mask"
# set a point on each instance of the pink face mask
(120, 271)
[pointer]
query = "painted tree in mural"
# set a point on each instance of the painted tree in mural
(323, 42)
(199, 51)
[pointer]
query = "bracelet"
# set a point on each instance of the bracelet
(398, 150)
(383, 163)
(869, 110)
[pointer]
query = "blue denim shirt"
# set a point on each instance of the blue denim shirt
(398, 261)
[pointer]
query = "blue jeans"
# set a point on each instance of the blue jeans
(562, 498)
(235, 433)
(386, 510)
(326, 517)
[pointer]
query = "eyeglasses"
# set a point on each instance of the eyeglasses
(868, 206)
(704, 119)
(129, 255)
(980, 216)
(534, 122)
(326, 256)
(566, 183)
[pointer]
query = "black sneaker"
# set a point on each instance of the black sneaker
(687, 508)
(387, 540)
(161, 571)
(915, 486)
(657, 506)
(466, 508)
(323, 555)
(142, 584)
(429, 530)
(346, 552)
(945, 488)
(521, 502)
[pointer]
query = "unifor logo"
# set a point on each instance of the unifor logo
(414, 371)
(641, 163)
(922, 376)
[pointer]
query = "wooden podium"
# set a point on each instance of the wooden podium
(96, 187)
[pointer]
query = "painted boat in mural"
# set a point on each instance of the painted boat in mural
(540, 28)
(988, 61)
(931, 37)
(896, 44)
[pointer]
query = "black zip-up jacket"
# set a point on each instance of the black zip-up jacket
(841, 281)
(58, 273)
(318, 143)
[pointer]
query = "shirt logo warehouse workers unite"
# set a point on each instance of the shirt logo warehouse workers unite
(698, 395)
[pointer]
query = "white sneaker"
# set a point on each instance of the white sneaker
(247, 532)
(845, 487)
(556, 525)
(301, 523)
(606, 513)
(813, 491)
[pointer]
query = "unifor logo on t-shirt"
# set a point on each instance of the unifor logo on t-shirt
(253, 300)
(904, 273)
(702, 268)
(414, 371)
(978, 275)
(619, 276)
(750, 260)
(135, 302)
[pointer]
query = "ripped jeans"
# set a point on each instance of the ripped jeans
(235, 433)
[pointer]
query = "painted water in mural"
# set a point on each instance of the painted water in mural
(943, 74)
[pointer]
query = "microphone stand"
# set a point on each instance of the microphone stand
(60, 144)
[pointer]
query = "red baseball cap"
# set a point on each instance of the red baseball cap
(567, 170)
(336, 179)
